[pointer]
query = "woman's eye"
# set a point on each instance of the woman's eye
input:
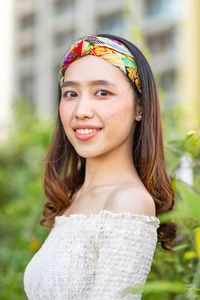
(67, 94)
(103, 93)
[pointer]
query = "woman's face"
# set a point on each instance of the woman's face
(97, 93)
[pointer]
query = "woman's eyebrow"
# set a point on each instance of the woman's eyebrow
(91, 82)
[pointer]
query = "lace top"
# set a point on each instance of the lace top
(93, 257)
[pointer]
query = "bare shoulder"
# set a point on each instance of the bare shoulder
(132, 199)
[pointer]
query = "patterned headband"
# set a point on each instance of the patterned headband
(111, 50)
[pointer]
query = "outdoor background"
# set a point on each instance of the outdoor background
(34, 36)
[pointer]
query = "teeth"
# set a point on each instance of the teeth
(86, 131)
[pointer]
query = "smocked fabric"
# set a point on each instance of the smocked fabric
(93, 257)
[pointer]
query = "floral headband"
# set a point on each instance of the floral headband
(111, 50)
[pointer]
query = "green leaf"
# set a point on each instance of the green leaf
(158, 287)
(191, 198)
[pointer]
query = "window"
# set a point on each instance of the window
(167, 80)
(154, 7)
(27, 87)
(27, 52)
(112, 23)
(161, 42)
(27, 22)
(61, 6)
(63, 39)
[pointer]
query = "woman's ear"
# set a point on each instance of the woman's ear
(138, 110)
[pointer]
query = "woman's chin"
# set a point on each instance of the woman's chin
(88, 154)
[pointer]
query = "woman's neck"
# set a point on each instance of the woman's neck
(109, 169)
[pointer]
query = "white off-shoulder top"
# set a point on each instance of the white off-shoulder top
(93, 257)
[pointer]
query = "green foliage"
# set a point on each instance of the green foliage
(181, 269)
(173, 276)
(21, 196)
(158, 287)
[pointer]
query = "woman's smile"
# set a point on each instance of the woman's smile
(86, 134)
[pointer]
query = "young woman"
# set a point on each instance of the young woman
(105, 177)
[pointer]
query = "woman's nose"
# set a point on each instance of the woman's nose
(84, 107)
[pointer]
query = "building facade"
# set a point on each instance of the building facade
(45, 29)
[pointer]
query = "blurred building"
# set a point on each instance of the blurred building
(190, 68)
(45, 29)
(6, 63)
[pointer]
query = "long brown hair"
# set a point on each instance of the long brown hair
(64, 169)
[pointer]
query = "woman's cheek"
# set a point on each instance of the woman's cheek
(64, 121)
(64, 114)
(110, 111)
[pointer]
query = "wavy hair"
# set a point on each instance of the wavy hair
(64, 169)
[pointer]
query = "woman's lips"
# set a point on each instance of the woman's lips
(86, 136)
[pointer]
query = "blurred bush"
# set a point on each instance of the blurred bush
(21, 196)
(173, 276)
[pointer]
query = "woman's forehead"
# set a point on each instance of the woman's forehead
(94, 67)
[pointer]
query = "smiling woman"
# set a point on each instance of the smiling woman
(105, 177)
(103, 105)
